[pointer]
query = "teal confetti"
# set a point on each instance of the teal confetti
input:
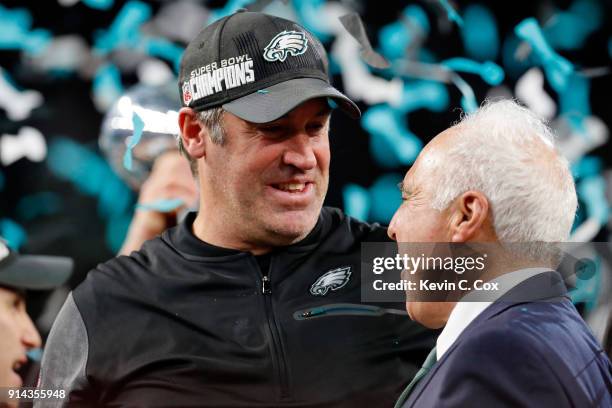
(587, 166)
(138, 125)
(489, 71)
(107, 86)
(309, 14)
(397, 37)
(569, 29)
(13, 233)
(124, 31)
(557, 68)
(451, 13)
(423, 95)
(39, 204)
(587, 291)
(386, 197)
(592, 191)
(356, 201)
(92, 175)
(163, 205)
(230, 7)
(162, 48)
(392, 144)
(99, 4)
(17, 34)
(468, 99)
(35, 354)
(479, 33)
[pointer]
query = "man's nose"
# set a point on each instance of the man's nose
(299, 152)
(29, 335)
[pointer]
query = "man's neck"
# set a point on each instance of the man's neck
(207, 231)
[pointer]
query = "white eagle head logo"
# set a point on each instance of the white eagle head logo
(286, 43)
(331, 280)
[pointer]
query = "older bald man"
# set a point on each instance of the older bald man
(497, 178)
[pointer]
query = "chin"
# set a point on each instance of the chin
(429, 314)
(294, 225)
(10, 380)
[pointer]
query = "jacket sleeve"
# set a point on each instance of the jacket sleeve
(65, 357)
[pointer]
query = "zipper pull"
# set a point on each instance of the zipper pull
(314, 312)
(266, 286)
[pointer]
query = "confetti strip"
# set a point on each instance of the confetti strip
(354, 25)
(489, 71)
(557, 68)
(451, 13)
(138, 125)
(163, 205)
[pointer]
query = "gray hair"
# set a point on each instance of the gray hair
(508, 153)
(211, 119)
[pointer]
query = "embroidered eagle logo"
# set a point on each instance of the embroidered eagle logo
(331, 280)
(286, 43)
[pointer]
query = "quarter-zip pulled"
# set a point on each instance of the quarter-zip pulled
(278, 348)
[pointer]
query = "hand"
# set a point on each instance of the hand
(170, 178)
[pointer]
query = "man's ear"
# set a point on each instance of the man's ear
(193, 134)
(470, 217)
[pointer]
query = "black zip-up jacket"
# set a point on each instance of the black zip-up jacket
(185, 323)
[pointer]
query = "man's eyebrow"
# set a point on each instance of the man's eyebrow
(405, 188)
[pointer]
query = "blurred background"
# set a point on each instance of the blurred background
(88, 100)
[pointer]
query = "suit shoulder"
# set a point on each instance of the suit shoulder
(547, 334)
(497, 340)
(542, 325)
(545, 343)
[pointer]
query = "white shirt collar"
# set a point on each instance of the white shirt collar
(465, 312)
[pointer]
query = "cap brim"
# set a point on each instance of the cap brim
(271, 103)
(36, 272)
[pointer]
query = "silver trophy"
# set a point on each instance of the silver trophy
(157, 106)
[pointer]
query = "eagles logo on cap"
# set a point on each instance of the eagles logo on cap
(286, 43)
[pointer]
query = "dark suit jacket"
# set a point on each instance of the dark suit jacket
(521, 354)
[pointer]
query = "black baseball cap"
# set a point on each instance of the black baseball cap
(258, 67)
(35, 272)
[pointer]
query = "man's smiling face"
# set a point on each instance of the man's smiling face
(269, 180)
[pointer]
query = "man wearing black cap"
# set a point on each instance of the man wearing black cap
(17, 332)
(256, 299)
